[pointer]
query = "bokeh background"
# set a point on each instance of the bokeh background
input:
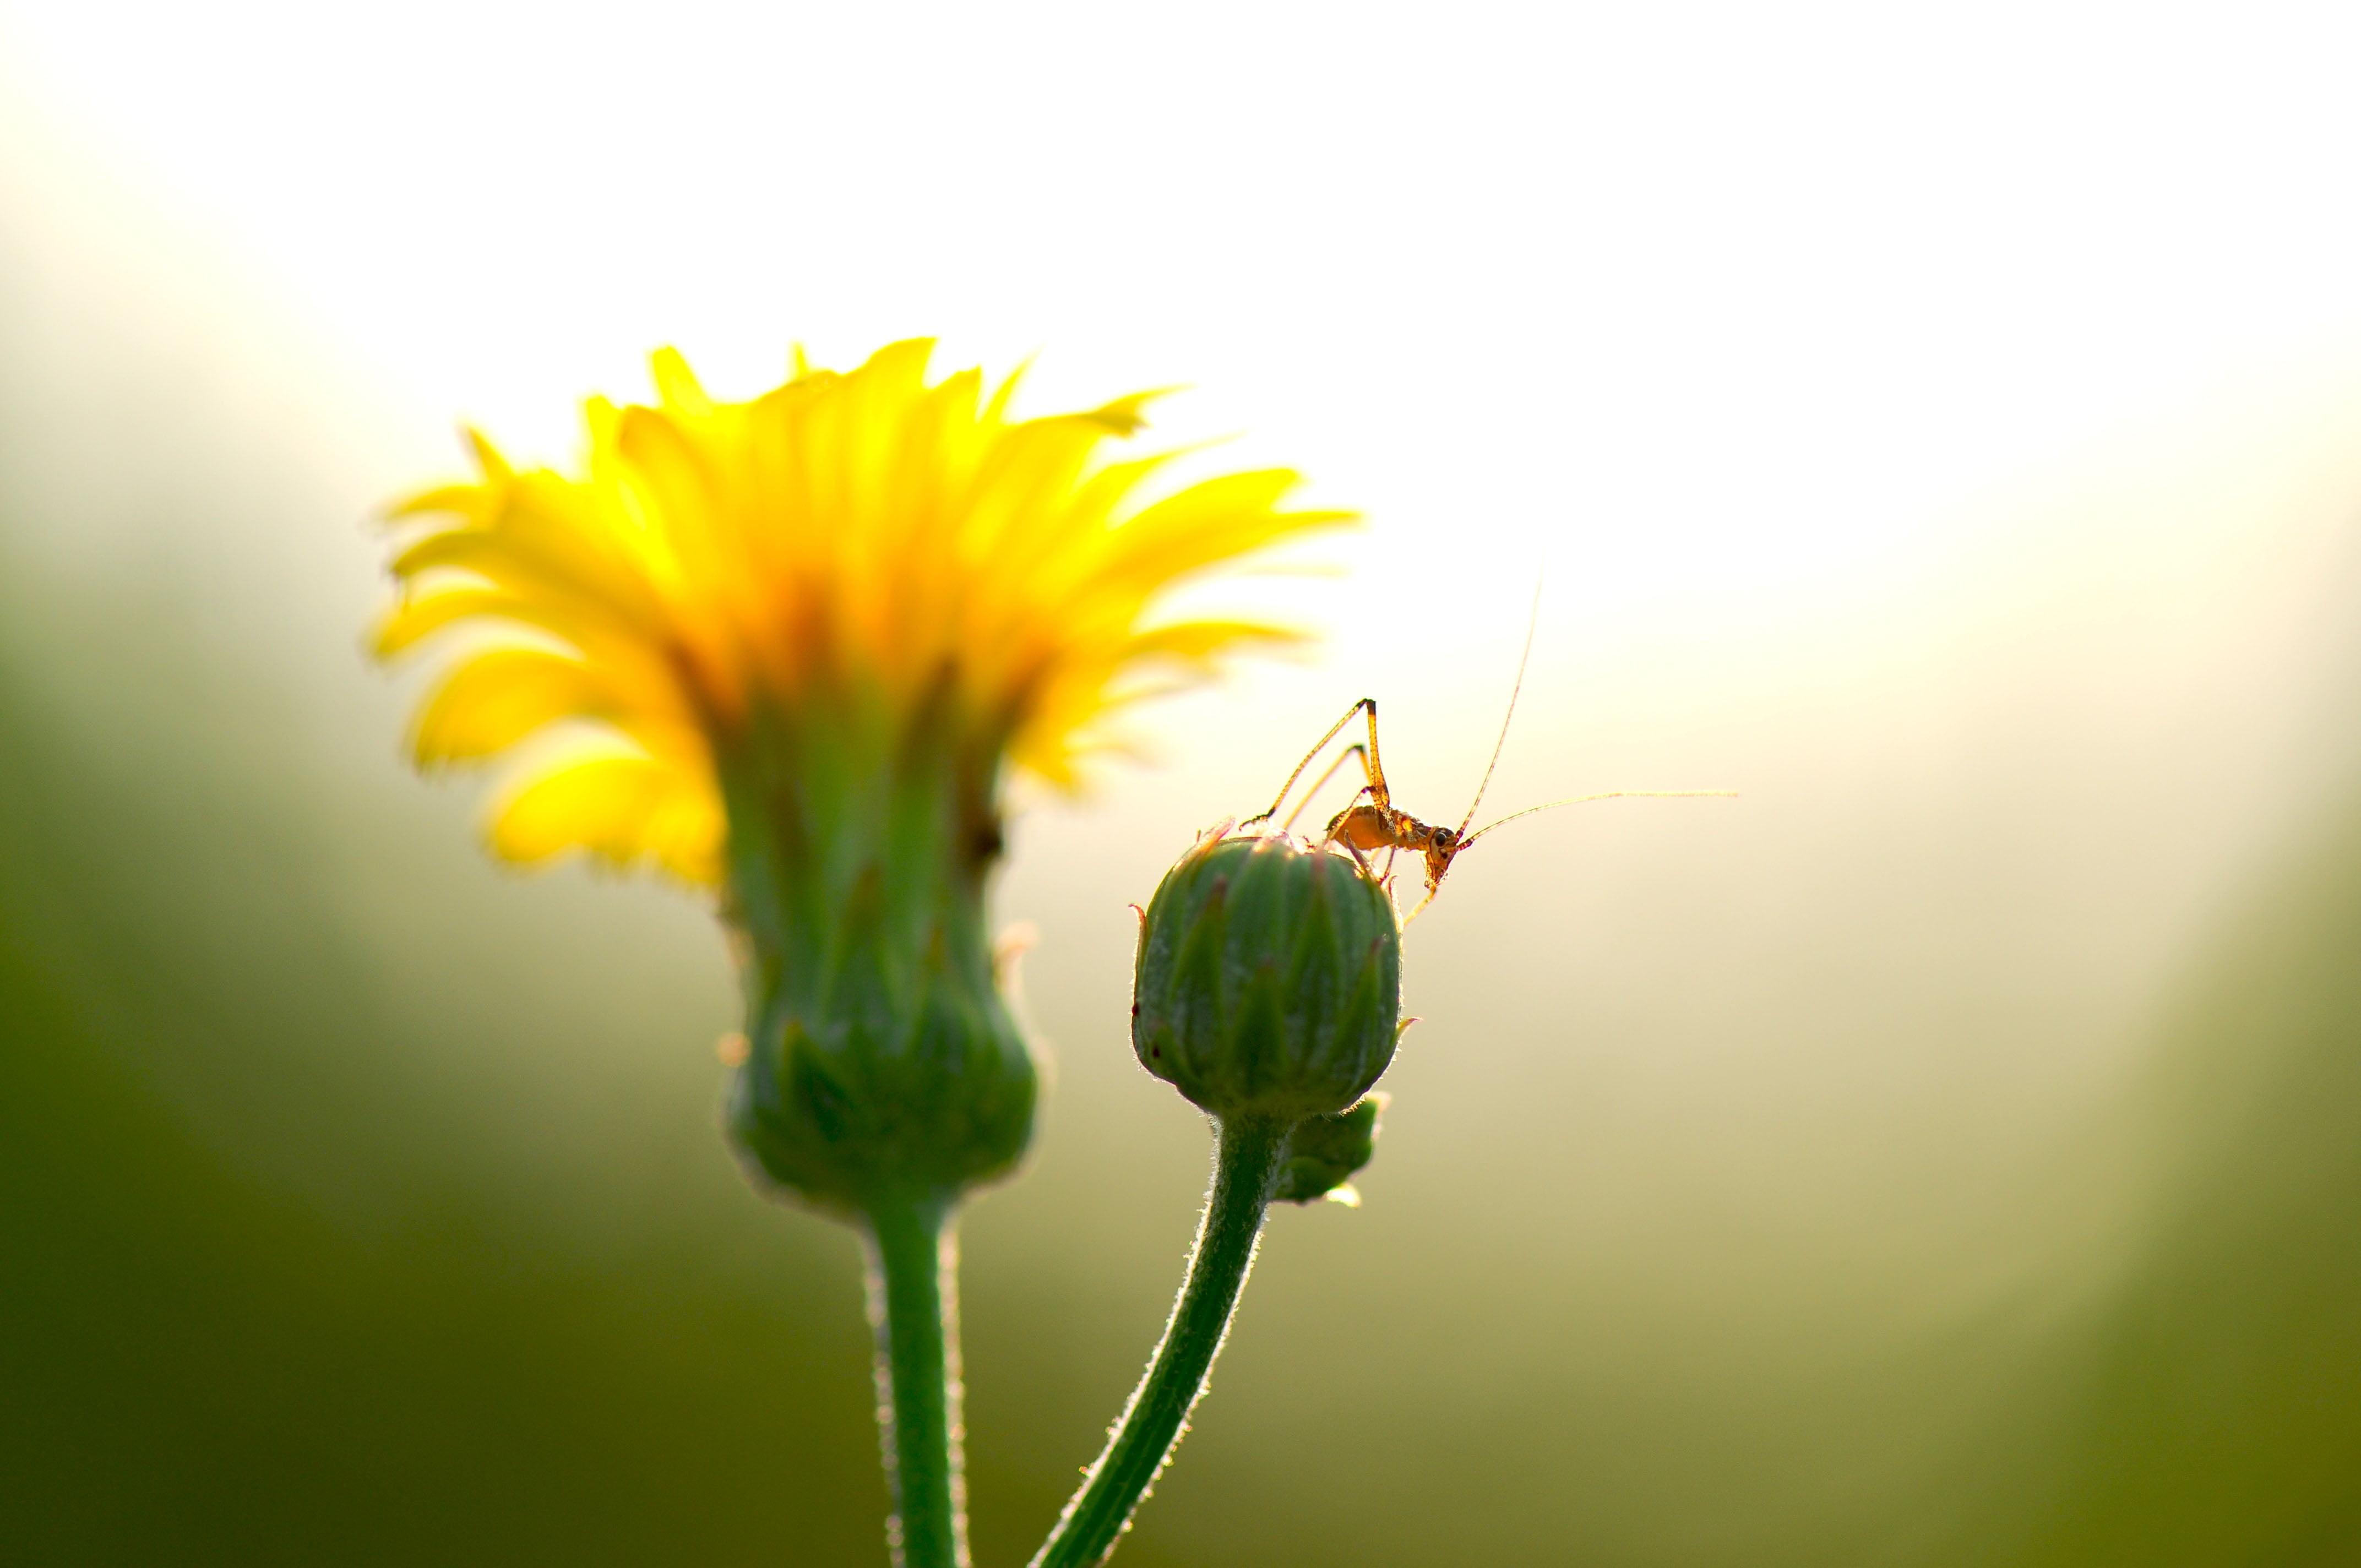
(1940, 423)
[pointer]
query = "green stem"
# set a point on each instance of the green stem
(914, 1310)
(1245, 1164)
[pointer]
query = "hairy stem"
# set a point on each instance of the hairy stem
(1246, 1163)
(913, 1281)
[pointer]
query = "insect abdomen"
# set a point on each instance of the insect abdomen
(1363, 827)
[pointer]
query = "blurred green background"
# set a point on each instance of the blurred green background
(364, 1203)
(1945, 1154)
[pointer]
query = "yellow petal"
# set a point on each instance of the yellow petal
(620, 809)
(474, 502)
(1208, 523)
(1198, 641)
(420, 617)
(1125, 415)
(496, 699)
(539, 557)
(494, 466)
(677, 385)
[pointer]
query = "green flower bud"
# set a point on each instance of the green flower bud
(1268, 980)
(1324, 1152)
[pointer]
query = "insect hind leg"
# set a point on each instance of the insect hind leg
(1376, 775)
(1313, 794)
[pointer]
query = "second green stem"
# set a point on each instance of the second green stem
(1246, 1163)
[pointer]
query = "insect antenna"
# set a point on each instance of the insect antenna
(1603, 794)
(1533, 621)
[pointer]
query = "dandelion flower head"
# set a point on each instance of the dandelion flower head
(864, 538)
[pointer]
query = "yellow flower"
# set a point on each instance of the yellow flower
(855, 543)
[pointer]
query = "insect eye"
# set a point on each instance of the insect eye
(1446, 836)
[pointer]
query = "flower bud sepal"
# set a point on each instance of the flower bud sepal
(883, 1059)
(1325, 1152)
